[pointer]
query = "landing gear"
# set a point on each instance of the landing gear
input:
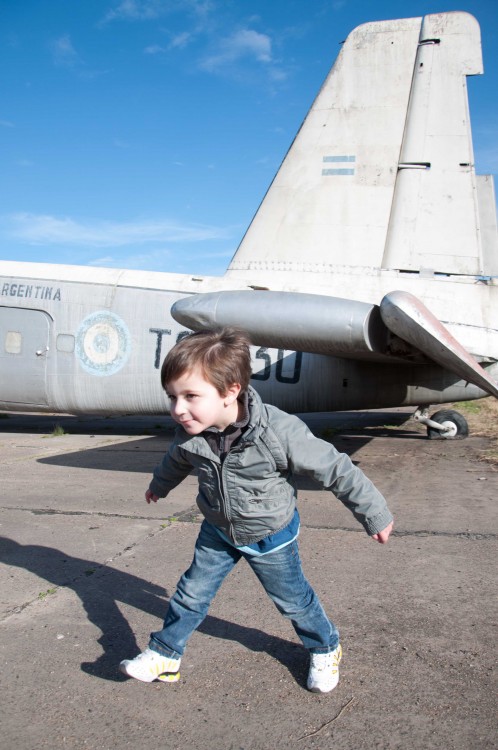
(445, 424)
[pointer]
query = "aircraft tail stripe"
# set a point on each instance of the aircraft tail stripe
(327, 172)
(339, 158)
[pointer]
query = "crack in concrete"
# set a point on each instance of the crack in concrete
(69, 583)
(55, 512)
(471, 535)
(192, 515)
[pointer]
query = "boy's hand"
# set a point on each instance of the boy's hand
(150, 496)
(383, 535)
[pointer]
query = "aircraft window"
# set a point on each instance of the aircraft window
(13, 342)
(65, 342)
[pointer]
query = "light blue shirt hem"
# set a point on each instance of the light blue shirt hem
(252, 549)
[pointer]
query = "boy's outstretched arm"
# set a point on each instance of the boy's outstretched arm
(310, 456)
(383, 535)
(167, 475)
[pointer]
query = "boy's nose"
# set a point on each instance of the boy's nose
(179, 406)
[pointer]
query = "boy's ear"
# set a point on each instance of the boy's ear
(232, 393)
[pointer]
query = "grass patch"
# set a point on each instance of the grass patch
(46, 593)
(482, 416)
(58, 431)
(469, 407)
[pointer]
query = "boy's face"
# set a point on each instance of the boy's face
(196, 404)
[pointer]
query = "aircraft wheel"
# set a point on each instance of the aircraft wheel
(455, 423)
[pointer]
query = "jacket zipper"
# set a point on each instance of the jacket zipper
(223, 493)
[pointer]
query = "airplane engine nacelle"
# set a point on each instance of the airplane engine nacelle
(401, 327)
(303, 322)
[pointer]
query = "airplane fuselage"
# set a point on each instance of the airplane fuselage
(88, 340)
(375, 223)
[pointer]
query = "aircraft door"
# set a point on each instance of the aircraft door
(24, 345)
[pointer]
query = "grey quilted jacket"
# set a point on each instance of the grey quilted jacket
(251, 494)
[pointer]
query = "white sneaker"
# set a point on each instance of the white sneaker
(324, 671)
(149, 666)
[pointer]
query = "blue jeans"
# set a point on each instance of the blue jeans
(282, 578)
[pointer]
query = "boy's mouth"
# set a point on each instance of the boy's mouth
(188, 423)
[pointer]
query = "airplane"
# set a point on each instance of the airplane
(367, 279)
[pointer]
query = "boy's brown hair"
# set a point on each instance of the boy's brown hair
(223, 356)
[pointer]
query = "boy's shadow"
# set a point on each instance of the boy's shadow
(100, 587)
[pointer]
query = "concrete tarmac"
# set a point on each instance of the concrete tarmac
(88, 566)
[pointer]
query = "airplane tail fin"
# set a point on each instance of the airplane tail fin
(381, 173)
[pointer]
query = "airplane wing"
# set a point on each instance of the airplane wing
(401, 328)
(407, 317)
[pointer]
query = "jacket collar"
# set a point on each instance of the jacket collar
(257, 419)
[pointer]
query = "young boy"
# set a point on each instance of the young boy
(246, 453)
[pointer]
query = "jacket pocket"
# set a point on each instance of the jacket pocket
(209, 487)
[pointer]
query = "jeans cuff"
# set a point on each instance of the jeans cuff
(160, 648)
(324, 649)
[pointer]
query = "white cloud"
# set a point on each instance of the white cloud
(136, 10)
(155, 260)
(181, 40)
(154, 49)
(6, 124)
(147, 10)
(106, 260)
(278, 75)
(63, 52)
(40, 229)
(163, 259)
(230, 54)
(245, 43)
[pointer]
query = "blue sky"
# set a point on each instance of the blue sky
(144, 133)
